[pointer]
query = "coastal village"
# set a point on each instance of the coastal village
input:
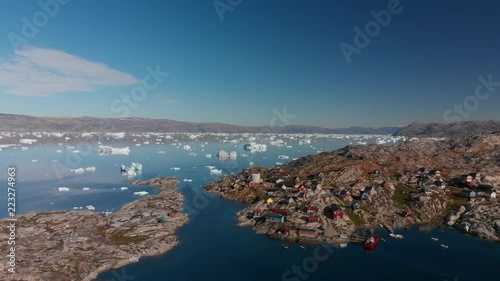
(331, 196)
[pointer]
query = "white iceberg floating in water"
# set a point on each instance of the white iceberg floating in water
(59, 151)
(175, 168)
(24, 148)
(187, 180)
(90, 169)
(208, 155)
(90, 207)
(255, 147)
(132, 171)
(78, 171)
(63, 188)
(108, 150)
(141, 193)
(34, 161)
(160, 151)
(223, 155)
(27, 141)
(86, 188)
(123, 188)
(216, 172)
(76, 151)
(306, 141)
(283, 157)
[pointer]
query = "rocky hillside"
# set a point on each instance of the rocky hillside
(77, 245)
(449, 130)
(418, 181)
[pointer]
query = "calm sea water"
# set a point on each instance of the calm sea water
(212, 247)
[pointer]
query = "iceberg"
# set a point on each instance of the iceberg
(132, 171)
(306, 141)
(90, 169)
(141, 193)
(187, 180)
(34, 161)
(63, 188)
(223, 155)
(78, 171)
(208, 155)
(283, 157)
(108, 150)
(175, 168)
(255, 147)
(90, 207)
(76, 151)
(27, 141)
(59, 151)
(86, 188)
(123, 188)
(216, 172)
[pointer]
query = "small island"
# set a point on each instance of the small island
(329, 197)
(78, 245)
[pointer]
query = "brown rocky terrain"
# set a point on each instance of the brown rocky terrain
(415, 182)
(78, 245)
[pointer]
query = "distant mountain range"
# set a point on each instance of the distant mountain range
(449, 130)
(24, 123)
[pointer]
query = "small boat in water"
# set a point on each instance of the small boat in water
(302, 247)
(444, 246)
(435, 239)
(284, 246)
(397, 236)
(371, 243)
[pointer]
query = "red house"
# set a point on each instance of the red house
(302, 189)
(311, 207)
(307, 232)
(312, 218)
(337, 212)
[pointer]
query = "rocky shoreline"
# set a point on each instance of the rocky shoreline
(329, 197)
(78, 245)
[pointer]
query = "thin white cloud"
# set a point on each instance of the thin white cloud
(41, 72)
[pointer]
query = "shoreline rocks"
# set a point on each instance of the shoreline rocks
(79, 245)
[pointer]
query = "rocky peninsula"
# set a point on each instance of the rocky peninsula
(78, 245)
(330, 196)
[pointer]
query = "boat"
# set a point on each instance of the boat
(444, 246)
(302, 247)
(371, 243)
(397, 236)
(442, 231)
(435, 239)
(284, 246)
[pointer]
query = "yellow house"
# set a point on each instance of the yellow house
(270, 201)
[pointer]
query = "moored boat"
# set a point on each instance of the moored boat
(371, 243)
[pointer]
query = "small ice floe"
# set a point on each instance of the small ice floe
(77, 208)
(34, 161)
(192, 154)
(90, 169)
(289, 146)
(160, 151)
(59, 151)
(63, 188)
(27, 141)
(132, 171)
(138, 144)
(86, 188)
(123, 188)
(216, 172)
(255, 147)
(305, 141)
(76, 151)
(186, 147)
(141, 193)
(244, 155)
(90, 207)
(251, 163)
(175, 168)
(397, 236)
(55, 160)
(78, 171)
(146, 142)
(279, 163)
(434, 239)
(24, 148)
(444, 246)
(208, 155)
(187, 180)
(210, 167)
(283, 157)
(223, 155)
(109, 150)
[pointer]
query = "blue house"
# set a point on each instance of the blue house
(356, 206)
(272, 217)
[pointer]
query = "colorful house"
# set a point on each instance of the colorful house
(307, 232)
(337, 212)
(312, 218)
(271, 217)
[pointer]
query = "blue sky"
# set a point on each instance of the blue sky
(264, 54)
